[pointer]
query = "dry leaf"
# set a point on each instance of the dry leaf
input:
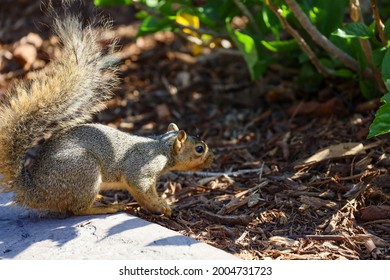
(283, 241)
(332, 152)
(317, 203)
(253, 199)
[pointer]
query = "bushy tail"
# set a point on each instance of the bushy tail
(69, 94)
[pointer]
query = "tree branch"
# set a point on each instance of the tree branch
(356, 16)
(301, 42)
(378, 23)
(323, 42)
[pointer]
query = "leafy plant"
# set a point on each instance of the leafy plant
(334, 37)
(381, 123)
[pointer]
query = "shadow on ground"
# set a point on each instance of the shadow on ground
(26, 235)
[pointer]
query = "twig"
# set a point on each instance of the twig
(383, 221)
(318, 237)
(356, 16)
(301, 42)
(358, 237)
(236, 203)
(378, 22)
(372, 249)
(228, 220)
(261, 172)
(252, 190)
(348, 178)
(248, 14)
(323, 42)
(233, 205)
(217, 174)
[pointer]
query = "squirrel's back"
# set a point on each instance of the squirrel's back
(74, 88)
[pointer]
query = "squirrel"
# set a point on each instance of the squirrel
(47, 120)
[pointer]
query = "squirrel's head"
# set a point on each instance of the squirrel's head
(190, 153)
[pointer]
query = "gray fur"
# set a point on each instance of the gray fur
(74, 160)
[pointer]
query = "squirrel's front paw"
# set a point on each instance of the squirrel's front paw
(153, 203)
(159, 207)
(163, 208)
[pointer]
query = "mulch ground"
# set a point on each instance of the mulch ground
(294, 176)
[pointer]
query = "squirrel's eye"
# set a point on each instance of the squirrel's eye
(199, 149)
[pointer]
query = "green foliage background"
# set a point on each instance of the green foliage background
(263, 39)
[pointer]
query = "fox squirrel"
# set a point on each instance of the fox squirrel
(72, 161)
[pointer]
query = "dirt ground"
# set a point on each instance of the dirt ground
(294, 176)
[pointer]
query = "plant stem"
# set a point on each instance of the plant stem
(320, 39)
(301, 42)
(378, 23)
(323, 42)
(356, 16)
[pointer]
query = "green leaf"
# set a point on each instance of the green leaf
(329, 15)
(103, 3)
(387, 29)
(386, 67)
(246, 44)
(345, 44)
(327, 62)
(268, 23)
(152, 3)
(387, 84)
(152, 25)
(344, 73)
(281, 46)
(354, 30)
(359, 54)
(213, 13)
(378, 56)
(381, 123)
(141, 15)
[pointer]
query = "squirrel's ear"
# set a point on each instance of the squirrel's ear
(181, 138)
(172, 126)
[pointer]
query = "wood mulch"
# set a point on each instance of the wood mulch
(294, 176)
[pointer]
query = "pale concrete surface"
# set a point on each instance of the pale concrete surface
(25, 235)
